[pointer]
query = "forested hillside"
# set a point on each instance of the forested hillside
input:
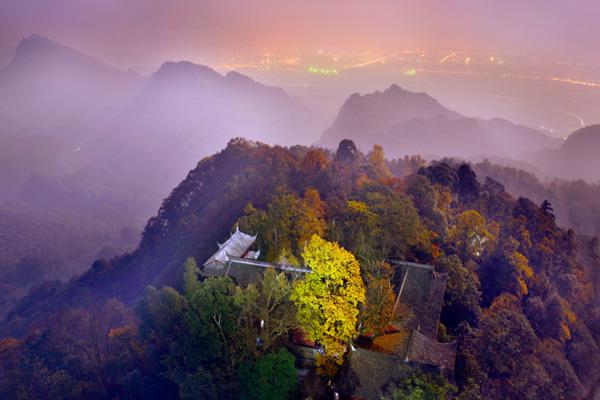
(576, 203)
(42, 245)
(522, 297)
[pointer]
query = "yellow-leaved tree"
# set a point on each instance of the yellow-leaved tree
(472, 235)
(327, 300)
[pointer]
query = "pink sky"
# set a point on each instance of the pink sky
(147, 32)
(540, 39)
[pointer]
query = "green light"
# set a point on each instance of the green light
(322, 71)
(410, 72)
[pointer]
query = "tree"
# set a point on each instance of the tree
(198, 384)
(522, 272)
(594, 255)
(266, 313)
(193, 336)
(468, 185)
(213, 314)
(190, 277)
(347, 152)
(327, 299)
(398, 224)
(507, 270)
(287, 224)
(551, 318)
(278, 238)
(80, 353)
(471, 235)
(359, 229)
(425, 197)
(463, 293)
(379, 309)
(547, 209)
(502, 354)
(421, 386)
(312, 170)
(441, 173)
(502, 273)
(377, 168)
(179, 349)
(409, 165)
(309, 219)
(272, 377)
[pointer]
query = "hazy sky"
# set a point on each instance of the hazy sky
(146, 32)
(546, 44)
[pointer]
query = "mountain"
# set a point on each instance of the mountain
(52, 100)
(51, 88)
(526, 292)
(187, 111)
(81, 140)
(576, 203)
(196, 215)
(577, 158)
(407, 123)
(376, 111)
(37, 245)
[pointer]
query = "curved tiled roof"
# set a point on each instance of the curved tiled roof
(425, 350)
(236, 246)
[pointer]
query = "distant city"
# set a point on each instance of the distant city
(490, 84)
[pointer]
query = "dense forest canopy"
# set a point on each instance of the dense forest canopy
(575, 201)
(522, 297)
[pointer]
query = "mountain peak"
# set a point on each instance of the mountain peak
(185, 69)
(399, 93)
(236, 76)
(38, 53)
(38, 45)
(36, 38)
(354, 104)
(409, 122)
(395, 89)
(583, 140)
(393, 105)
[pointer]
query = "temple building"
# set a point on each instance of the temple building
(238, 245)
(375, 360)
(235, 259)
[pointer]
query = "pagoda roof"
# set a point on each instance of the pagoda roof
(236, 246)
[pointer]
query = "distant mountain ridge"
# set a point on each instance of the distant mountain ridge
(408, 123)
(584, 142)
(108, 145)
(48, 86)
(68, 115)
(53, 99)
(80, 137)
(37, 48)
(390, 107)
(187, 111)
(577, 158)
(239, 173)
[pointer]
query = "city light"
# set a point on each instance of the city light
(322, 71)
